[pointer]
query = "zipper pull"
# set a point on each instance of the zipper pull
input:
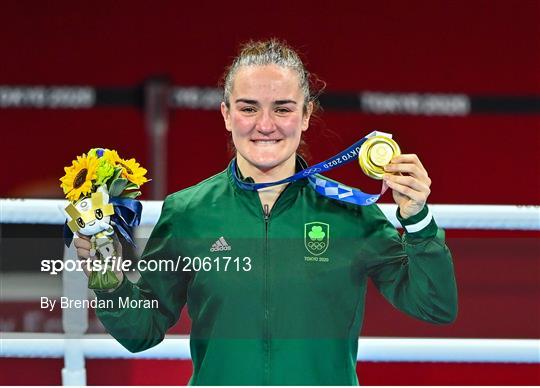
(266, 211)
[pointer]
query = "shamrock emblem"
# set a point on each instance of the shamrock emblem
(316, 233)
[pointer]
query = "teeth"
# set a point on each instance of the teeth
(266, 141)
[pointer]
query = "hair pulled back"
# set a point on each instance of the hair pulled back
(273, 52)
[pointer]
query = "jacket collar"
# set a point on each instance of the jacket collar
(287, 197)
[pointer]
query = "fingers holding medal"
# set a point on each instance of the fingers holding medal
(410, 183)
(380, 158)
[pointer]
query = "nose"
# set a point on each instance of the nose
(266, 124)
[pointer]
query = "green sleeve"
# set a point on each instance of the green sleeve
(141, 327)
(414, 272)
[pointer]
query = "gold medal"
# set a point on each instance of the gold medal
(375, 153)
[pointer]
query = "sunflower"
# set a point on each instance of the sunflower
(132, 171)
(111, 156)
(79, 177)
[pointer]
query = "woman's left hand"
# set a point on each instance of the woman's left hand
(410, 188)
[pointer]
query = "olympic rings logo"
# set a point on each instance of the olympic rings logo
(311, 171)
(315, 245)
(372, 199)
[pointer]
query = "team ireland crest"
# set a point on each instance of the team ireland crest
(316, 237)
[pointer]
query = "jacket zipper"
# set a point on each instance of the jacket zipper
(266, 216)
(266, 213)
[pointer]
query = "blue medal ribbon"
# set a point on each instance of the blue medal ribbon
(322, 185)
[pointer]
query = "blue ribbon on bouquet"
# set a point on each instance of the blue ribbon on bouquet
(127, 215)
(322, 185)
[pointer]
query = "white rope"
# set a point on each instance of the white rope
(513, 217)
(24, 345)
(50, 211)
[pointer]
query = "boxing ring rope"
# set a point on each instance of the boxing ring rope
(176, 347)
(500, 217)
(74, 345)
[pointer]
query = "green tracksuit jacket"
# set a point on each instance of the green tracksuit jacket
(288, 307)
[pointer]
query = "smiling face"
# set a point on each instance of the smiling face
(94, 223)
(90, 216)
(266, 116)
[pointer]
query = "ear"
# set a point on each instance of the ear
(307, 116)
(226, 116)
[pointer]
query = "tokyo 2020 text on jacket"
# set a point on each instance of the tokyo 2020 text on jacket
(278, 298)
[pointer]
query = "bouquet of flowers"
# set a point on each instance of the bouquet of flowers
(102, 189)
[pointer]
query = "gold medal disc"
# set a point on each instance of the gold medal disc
(375, 153)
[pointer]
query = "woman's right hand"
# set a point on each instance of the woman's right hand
(83, 245)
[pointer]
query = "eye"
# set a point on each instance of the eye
(80, 222)
(248, 109)
(282, 110)
(99, 214)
